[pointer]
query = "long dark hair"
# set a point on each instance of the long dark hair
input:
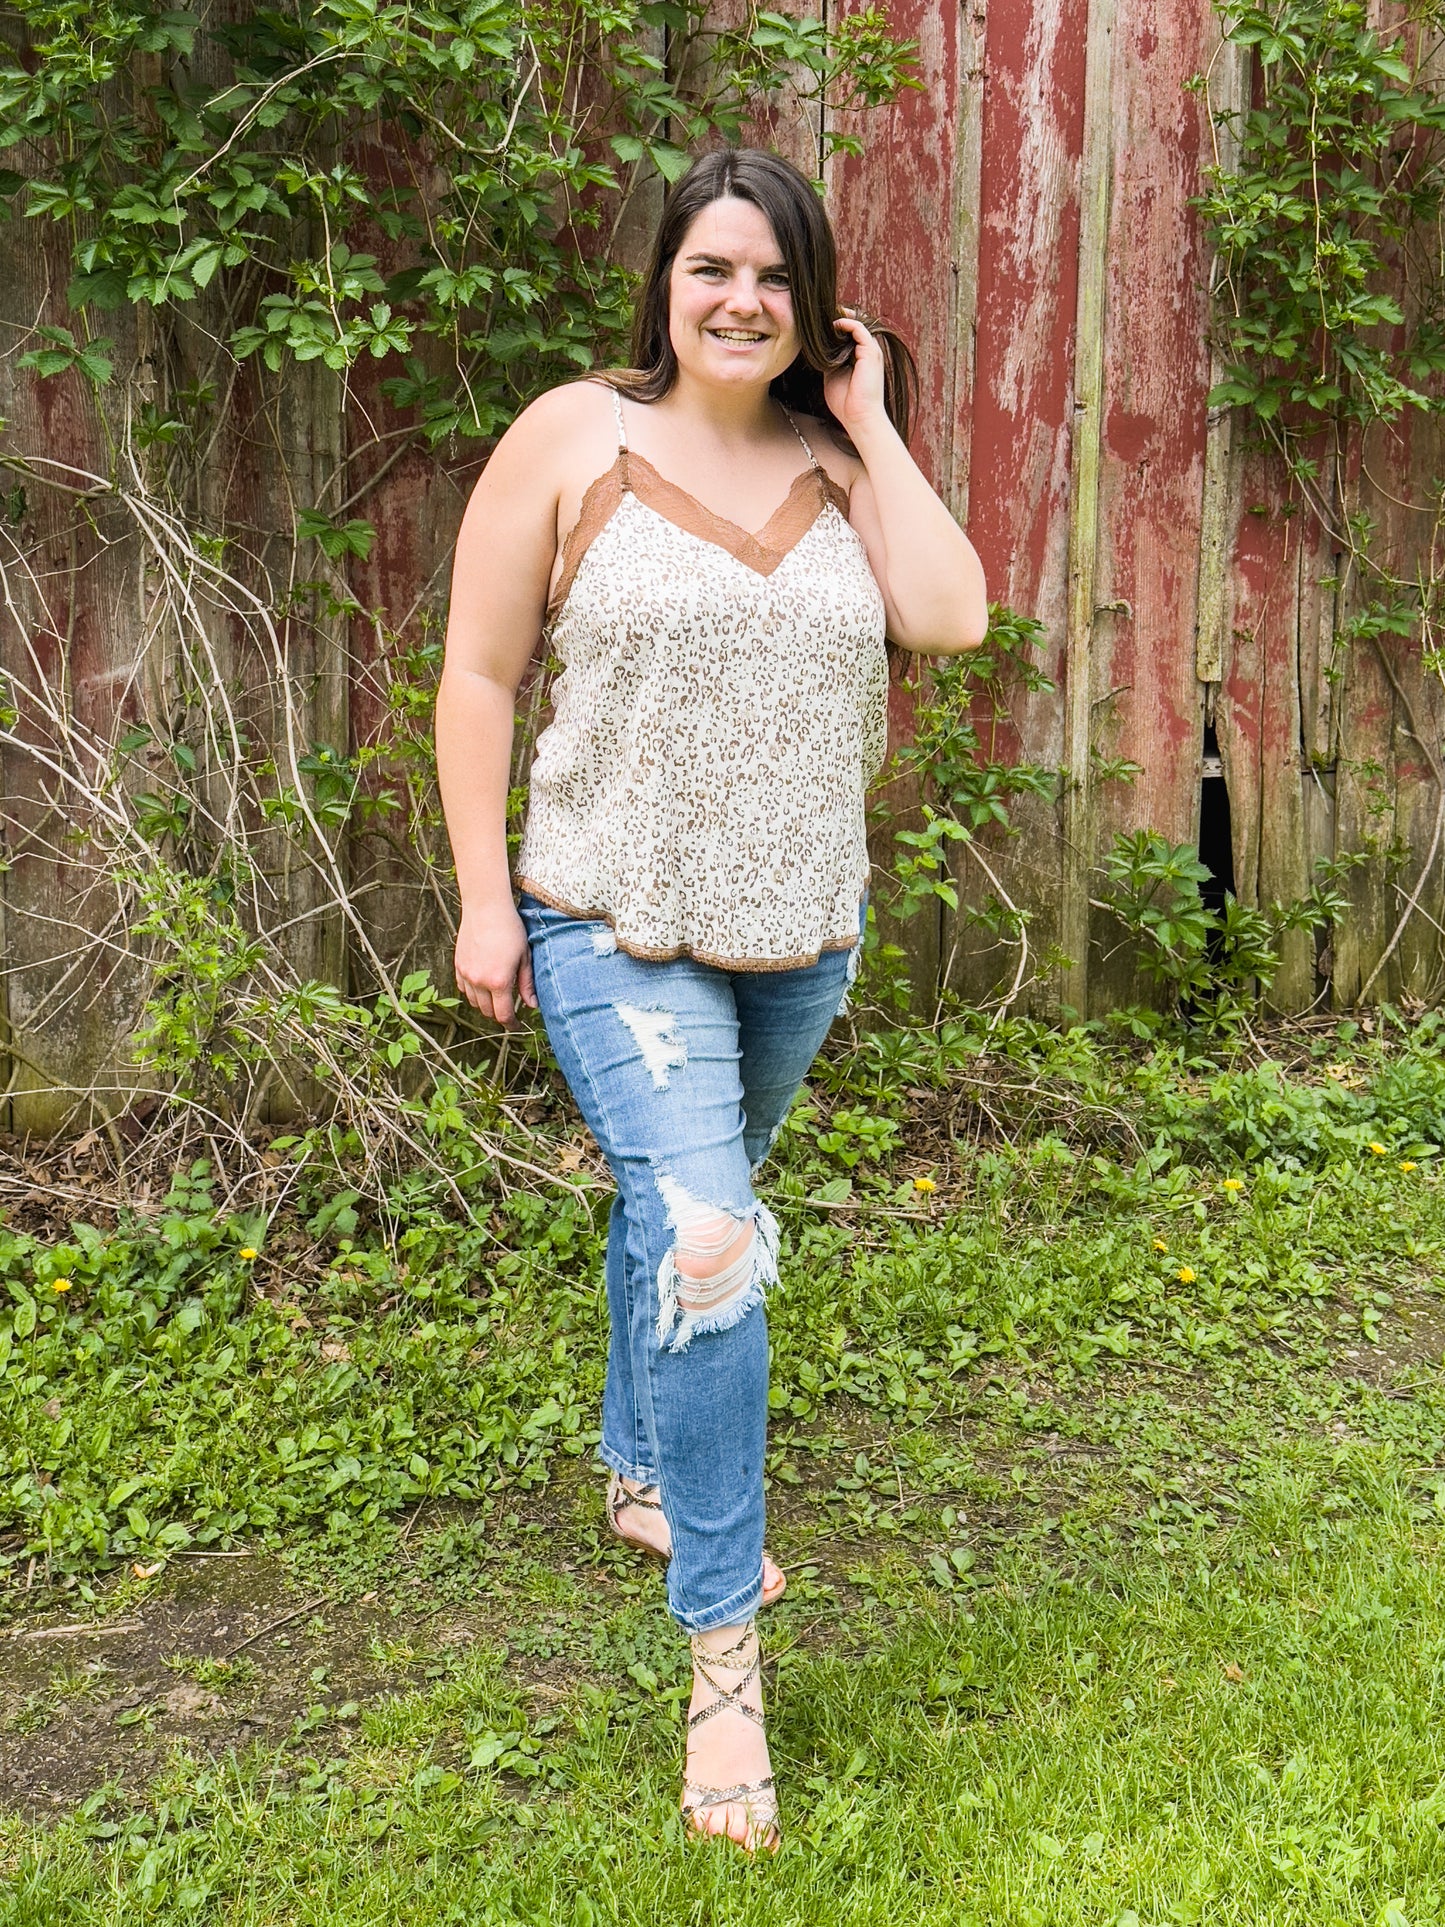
(805, 241)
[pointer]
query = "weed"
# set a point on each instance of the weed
(217, 1675)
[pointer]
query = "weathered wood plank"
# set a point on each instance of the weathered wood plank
(1096, 180)
(1258, 565)
(894, 212)
(1229, 72)
(72, 639)
(1396, 740)
(1365, 817)
(784, 122)
(1018, 405)
(967, 241)
(416, 507)
(1258, 714)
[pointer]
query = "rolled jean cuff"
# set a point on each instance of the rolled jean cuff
(624, 1468)
(736, 1611)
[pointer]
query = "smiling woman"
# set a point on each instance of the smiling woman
(716, 544)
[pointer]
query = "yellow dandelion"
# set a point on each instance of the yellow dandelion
(1409, 1164)
(1378, 1149)
(60, 1284)
(1159, 1245)
(924, 1184)
(1184, 1275)
(1232, 1184)
(248, 1252)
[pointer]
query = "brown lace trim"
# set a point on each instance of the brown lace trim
(648, 954)
(599, 505)
(810, 494)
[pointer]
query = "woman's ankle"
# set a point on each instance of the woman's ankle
(722, 1639)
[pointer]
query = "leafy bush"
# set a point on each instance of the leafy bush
(1339, 162)
(1322, 1100)
(153, 1398)
(1217, 966)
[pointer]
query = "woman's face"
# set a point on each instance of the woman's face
(730, 310)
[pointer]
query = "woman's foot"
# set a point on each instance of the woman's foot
(636, 1514)
(728, 1788)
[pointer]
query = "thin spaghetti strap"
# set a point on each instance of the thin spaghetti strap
(623, 464)
(813, 461)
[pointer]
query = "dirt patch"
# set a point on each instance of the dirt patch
(221, 1654)
(1411, 1342)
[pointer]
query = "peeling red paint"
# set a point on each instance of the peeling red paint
(1132, 437)
(1027, 293)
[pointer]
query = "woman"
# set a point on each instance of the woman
(693, 868)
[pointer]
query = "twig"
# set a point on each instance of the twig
(1023, 935)
(64, 1632)
(274, 1627)
(861, 1209)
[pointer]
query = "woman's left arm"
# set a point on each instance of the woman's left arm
(928, 570)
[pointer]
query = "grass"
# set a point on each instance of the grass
(1109, 1475)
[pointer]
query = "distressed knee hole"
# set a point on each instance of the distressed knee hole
(715, 1263)
(718, 1267)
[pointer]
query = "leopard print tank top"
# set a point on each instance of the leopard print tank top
(721, 708)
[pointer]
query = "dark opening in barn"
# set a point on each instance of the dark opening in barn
(1216, 844)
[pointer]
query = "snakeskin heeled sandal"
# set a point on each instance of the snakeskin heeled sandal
(648, 1499)
(620, 1499)
(757, 1798)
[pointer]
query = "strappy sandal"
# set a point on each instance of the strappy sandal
(649, 1499)
(757, 1798)
(620, 1500)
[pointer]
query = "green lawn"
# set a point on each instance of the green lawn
(1109, 1475)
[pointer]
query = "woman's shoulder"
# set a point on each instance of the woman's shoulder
(582, 404)
(566, 432)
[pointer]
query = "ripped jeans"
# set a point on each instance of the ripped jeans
(684, 1074)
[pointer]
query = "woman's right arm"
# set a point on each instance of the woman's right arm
(504, 556)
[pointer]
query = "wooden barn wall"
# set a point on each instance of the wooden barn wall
(1189, 598)
(1025, 218)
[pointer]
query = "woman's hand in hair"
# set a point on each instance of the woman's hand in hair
(855, 392)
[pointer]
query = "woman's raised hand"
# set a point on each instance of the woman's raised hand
(855, 394)
(494, 964)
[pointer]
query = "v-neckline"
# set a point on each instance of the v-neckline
(658, 484)
(762, 553)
